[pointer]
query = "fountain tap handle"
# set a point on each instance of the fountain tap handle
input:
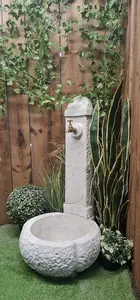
(70, 127)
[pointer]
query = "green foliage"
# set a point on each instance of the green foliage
(26, 202)
(104, 33)
(110, 156)
(115, 247)
(52, 175)
(29, 64)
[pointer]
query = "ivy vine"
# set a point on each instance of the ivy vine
(105, 40)
(29, 64)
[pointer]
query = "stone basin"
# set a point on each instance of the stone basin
(59, 245)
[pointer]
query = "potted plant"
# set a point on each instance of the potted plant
(116, 250)
(109, 138)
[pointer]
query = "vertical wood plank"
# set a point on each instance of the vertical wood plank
(19, 138)
(131, 93)
(5, 161)
(56, 119)
(5, 169)
(87, 74)
(19, 129)
(135, 155)
(70, 61)
(57, 124)
(132, 90)
(39, 125)
(127, 55)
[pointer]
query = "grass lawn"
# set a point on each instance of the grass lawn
(19, 282)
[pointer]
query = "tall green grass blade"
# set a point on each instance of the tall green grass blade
(112, 174)
(125, 133)
(104, 141)
(106, 217)
(116, 197)
(94, 136)
(111, 119)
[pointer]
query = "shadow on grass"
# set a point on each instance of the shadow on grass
(89, 273)
(13, 232)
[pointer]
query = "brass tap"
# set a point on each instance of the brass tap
(70, 127)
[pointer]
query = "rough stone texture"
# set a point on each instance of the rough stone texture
(78, 156)
(59, 245)
(81, 106)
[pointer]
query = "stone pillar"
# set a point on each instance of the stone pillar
(78, 155)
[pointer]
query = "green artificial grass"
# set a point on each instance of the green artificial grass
(19, 282)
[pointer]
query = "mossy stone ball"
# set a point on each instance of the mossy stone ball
(26, 202)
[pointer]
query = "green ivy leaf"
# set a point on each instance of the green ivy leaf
(49, 66)
(36, 57)
(17, 91)
(78, 8)
(69, 82)
(10, 83)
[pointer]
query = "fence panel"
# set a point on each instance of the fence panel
(5, 169)
(19, 139)
(25, 134)
(132, 90)
(39, 125)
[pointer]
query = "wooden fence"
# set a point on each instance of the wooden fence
(25, 134)
(132, 90)
(25, 138)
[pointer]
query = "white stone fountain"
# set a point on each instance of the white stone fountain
(63, 244)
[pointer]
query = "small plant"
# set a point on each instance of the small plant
(110, 157)
(26, 202)
(115, 247)
(52, 175)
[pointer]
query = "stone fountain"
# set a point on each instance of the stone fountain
(64, 244)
